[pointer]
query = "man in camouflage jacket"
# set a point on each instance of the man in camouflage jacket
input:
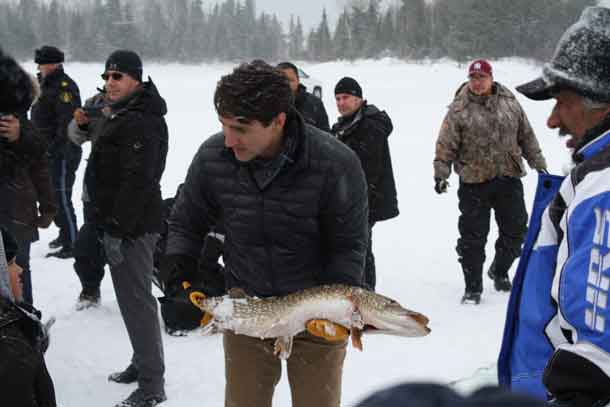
(484, 135)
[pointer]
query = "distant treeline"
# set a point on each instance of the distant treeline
(185, 31)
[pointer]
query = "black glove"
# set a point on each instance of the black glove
(440, 185)
(112, 247)
(176, 268)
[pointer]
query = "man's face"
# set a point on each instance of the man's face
(118, 85)
(250, 139)
(47, 69)
(347, 104)
(571, 117)
(293, 79)
(14, 274)
(480, 84)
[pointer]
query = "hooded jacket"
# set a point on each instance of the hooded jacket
(485, 137)
(25, 180)
(311, 108)
(126, 164)
(366, 132)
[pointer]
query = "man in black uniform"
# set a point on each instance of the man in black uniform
(51, 115)
(365, 129)
(310, 107)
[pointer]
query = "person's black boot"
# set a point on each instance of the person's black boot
(88, 299)
(471, 297)
(501, 281)
(140, 398)
(474, 285)
(64, 253)
(56, 243)
(129, 375)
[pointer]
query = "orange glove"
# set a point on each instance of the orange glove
(328, 330)
(194, 296)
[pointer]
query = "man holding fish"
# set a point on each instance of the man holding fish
(294, 207)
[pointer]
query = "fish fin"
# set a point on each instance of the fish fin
(211, 328)
(237, 292)
(282, 348)
(357, 321)
(357, 338)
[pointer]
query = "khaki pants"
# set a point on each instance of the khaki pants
(252, 371)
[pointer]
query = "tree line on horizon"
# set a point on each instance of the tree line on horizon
(186, 31)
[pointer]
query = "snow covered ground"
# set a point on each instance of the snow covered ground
(416, 260)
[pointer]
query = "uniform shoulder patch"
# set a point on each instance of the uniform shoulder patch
(66, 97)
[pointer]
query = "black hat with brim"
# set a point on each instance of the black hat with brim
(581, 61)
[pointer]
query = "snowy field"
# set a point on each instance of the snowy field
(416, 260)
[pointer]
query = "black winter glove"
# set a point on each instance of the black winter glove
(440, 185)
(176, 268)
(112, 247)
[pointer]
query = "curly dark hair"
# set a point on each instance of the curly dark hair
(253, 91)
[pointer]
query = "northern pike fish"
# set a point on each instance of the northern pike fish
(284, 317)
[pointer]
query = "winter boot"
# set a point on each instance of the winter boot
(139, 398)
(471, 297)
(129, 375)
(500, 278)
(64, 253)
(474, 284)
(88, 299)
(56, 243)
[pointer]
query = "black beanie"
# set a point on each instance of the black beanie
(48, 55)
(10, 245)
(16, 87)
(348, 85)
(127, 62)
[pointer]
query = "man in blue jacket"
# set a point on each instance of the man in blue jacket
(564, 325)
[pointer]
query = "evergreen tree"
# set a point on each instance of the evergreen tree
(324, 44)
(341, 39)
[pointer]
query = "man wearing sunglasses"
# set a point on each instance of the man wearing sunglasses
(122, 181)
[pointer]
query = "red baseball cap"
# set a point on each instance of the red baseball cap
(480, 66)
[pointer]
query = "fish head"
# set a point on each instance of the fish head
(386, 316)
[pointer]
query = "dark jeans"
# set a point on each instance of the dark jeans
(63, 174)
(89, 257)
(23, 260)
(505, 196)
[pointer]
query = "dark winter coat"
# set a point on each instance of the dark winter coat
(311, 108)
(26, 188)
(126, 164)
(24, 379)
(53, 111)
(366, 132)
(290, 223)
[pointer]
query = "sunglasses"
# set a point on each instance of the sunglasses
(115, 76)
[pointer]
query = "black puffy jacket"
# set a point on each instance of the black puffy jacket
(292, 223)
(366, 132)
(126, 164)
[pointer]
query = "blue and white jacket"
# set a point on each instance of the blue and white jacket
(557, 334)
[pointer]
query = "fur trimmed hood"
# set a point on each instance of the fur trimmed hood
(17, 87)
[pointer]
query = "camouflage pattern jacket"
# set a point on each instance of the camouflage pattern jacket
(485, 137)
